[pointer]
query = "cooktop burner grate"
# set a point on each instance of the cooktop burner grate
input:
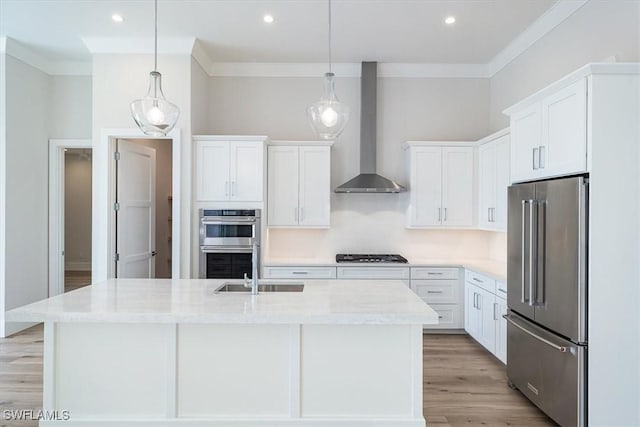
(371, 258)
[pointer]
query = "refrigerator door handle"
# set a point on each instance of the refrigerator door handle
(523, 236)
(541, 225)
(561, 349)
(533, 225)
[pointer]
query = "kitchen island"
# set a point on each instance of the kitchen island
(129, 352)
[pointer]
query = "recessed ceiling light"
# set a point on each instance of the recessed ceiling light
(117, 18)
(268, 18)
(450, 20)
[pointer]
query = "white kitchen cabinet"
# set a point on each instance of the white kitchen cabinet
(440, 287)
(441, 185)
(299, 272)
(373, 273)
(299, 182)
(493, 182)
(229, 168)
(549, 137)
(483, 313)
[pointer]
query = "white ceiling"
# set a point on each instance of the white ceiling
(397, 31)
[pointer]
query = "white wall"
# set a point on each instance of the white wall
(77, 209)
(163, 149)
(69, 107)
(598, 30)
(199, 99)
(118, 80)
(26, 209)
(423, 109)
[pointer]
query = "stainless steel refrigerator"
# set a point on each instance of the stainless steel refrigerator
(547, 293)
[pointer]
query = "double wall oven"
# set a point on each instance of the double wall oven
(227, 238)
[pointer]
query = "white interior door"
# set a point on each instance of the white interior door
(136, 215)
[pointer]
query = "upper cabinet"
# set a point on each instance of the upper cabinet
(549, 136)
(441, 185)
(229, 168)
(299, 182)
(493, 181)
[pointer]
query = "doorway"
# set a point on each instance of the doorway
(77, 217)
(143, 208)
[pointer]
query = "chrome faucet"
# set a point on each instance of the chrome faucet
(253, 284)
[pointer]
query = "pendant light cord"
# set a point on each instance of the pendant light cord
(155, 46)
(329, 36)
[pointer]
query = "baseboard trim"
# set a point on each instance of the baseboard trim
(77, 266)
(239, 422)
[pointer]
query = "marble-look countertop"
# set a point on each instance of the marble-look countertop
(195, 301)
(491, 268)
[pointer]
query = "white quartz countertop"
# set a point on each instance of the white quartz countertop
(195, 301)
(495, 269)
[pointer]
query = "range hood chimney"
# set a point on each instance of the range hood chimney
(368, 181)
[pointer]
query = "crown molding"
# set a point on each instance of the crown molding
(549, 20)
(139, 45)
(17, 50)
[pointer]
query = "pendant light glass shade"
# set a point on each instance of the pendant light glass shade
(328, 116)
(153, 114)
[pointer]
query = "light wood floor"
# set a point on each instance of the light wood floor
(464, 385)
(76, 279)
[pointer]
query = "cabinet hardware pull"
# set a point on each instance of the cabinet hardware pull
(440, 317)
(502, 290)
(536, 157)
(434, 292)
(495, 305)
(445, 214)
(431, 273)
(439, 214)
(477, 280)
(489, 214)
(561, 349)
(299, 272)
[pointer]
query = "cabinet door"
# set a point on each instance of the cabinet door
(487, 306)
(457, 186)
(501, 330)
(283, 186)
(525, 142)
(246, 171)
(426, 186)
(486, 184)
(472, 313)
(212, 170)
(314, 186)
(564, 131)
(503, 160)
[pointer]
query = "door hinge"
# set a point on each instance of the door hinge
(116, 257)
(116, 155)
(116, 206)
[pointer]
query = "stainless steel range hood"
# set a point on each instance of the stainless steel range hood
(368, 181)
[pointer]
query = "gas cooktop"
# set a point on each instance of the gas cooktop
(372, 258)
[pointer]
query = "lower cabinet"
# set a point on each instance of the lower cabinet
(483, 314)
(440, 288)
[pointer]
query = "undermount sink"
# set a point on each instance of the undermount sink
(262, 287)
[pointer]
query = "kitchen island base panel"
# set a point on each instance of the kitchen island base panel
(124, 374)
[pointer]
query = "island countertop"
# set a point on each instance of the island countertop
(195, 301)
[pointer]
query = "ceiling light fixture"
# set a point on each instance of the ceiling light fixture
(117, 18)
(153, 114)
(268, 18)
(449, 20)
(328, 116)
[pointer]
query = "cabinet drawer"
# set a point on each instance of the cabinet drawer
(434, 273)
(436, 291)
(481, 281)
(391, 273)
(501, 289)
(449, 317)
(300, 272)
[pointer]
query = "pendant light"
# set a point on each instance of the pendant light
(154, 115)
(328, 116)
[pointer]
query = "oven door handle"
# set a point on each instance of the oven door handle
(226, 249)
(227, 220)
